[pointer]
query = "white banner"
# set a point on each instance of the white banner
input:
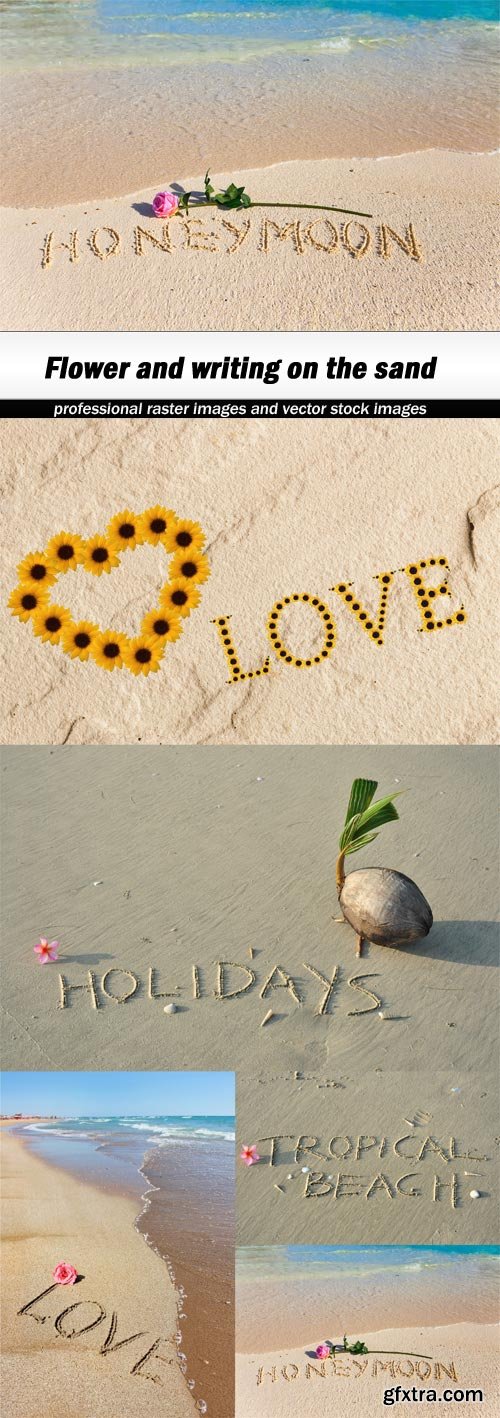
(186, 365)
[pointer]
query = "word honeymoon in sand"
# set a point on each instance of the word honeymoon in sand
(224, 237)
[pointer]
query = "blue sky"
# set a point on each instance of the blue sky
(88, 1094)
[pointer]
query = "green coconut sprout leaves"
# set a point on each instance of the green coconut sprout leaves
(364, 816)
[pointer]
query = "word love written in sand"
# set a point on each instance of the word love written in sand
(346, 1366)
(85, 1317)
(371, 1166)
(220, 236)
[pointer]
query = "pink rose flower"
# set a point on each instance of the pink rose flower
(46, 950)
(249, 1155)
(64, 1274)
(165, 204)
(323, 1351)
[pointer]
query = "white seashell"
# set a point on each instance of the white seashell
(169, 1008)
(475, 1195)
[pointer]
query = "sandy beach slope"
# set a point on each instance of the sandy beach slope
(291, 1382)
(108, 264)
(286, 508)
(52, 1369)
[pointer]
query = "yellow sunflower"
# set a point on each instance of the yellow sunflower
(184, 536)
(125, 530)
(65, 552)
(162, 625)
(35, 568)
(78, 638)
(179, 596)
(143, 655)
(108, 649)
(154, 523)
(192, 565)
(27, 599)
(99, 555)
(50, 621)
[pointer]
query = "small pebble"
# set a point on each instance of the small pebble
(475, 1195)
(305, 1169)
(169, 1008)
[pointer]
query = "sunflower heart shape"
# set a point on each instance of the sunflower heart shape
(33, 600)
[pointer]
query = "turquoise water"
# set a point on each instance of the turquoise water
(40, 34)
(322, 1262)
(149, 1129)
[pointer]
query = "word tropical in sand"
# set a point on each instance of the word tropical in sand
(428, 578)
(218, 235)
(83, 640)
(318, 1178)
(83, 1317)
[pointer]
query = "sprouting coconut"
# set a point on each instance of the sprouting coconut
(381, 905)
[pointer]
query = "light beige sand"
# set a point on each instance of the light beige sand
(351, 1387)
(393, 1155)
(50, 1373)
(286, 508)
(164, 858)
(225, 273)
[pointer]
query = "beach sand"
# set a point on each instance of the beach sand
(109, 264)
(57, 1373)
(351, 1388)
(164, 859)
(392, 1155)
(286, 508)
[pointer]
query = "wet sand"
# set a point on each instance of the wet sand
(284, 1299)
(190, 1221)
(136, 125)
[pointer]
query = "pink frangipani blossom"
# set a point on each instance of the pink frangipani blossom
(249, 1155)
(64, 1274)
(46, 950)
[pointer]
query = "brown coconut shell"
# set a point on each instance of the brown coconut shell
(385, 906)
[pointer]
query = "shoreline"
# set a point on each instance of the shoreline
(256, 170)
(237, 112)
(285, 1296)
(168, 1232)
(98, 1234)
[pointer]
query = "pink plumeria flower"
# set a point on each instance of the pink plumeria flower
(249, 1155)
(323, 1351)
(165, 204)
(64, 1274)
(46, 950)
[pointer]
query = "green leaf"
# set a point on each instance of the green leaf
(246, 201)
(358, 843)
(208, 186)
(378, 813)
(364, 824)
(362, 792)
